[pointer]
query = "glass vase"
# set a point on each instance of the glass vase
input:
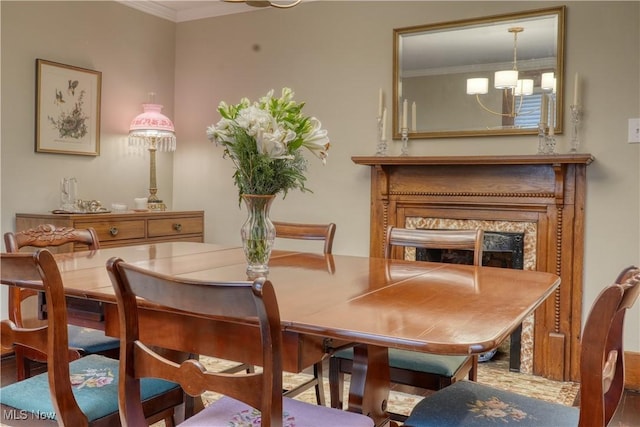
(258, 234)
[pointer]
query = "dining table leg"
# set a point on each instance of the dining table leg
(369, 385)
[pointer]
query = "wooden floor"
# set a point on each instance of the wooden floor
(628, 414)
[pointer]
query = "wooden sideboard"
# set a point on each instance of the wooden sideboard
(546, 192)
(125, 228)
(115, 229)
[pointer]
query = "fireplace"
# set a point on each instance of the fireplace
(540, 198)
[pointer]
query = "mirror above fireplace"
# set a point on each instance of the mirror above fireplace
(439, 67)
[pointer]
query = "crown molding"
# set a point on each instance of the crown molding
(193, 11)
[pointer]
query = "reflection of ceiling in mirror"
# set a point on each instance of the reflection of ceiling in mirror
(447, 50)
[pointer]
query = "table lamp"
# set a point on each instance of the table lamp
(154, 131)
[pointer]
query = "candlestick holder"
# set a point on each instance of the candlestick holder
(405, 142)
(575, 124)
(381, 149)
(550, 144)
(542, 144)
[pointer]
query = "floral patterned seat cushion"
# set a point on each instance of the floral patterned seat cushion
(95, 386)
(467, 403)
(227, 412)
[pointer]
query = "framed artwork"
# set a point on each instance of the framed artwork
(67, 109)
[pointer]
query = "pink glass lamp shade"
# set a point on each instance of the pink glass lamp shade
(154, 131)
(153, 128)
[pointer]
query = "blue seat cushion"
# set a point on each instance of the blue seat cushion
(90, 340)
(467, 403)
(94, 380)
(416, 361)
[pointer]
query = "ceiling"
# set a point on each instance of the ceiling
(181, 11)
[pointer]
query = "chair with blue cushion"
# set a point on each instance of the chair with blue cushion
(247, 398)
(83, 339)
(75, 390)
(467, 403)
(421, 370)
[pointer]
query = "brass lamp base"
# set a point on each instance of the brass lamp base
(157, 206)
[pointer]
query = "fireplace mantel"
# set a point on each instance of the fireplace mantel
(532, 159)
(545, 190)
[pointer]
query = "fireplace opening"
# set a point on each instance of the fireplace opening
(499, 249)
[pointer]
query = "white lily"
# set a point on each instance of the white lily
(316, 140)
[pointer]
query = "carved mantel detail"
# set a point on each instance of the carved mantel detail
(547, 190)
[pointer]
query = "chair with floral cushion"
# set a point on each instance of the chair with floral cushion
(75, 391)
(422, 370)
(247, 398)
(467, 403)
(85, 340)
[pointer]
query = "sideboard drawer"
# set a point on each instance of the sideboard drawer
(175, 226)
(116, 230)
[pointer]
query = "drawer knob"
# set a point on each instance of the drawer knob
(113, 231)
(177, 227)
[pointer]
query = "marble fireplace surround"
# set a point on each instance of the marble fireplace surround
(540, 195)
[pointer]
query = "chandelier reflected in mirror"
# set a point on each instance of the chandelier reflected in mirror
(264, 3)
(513, 88)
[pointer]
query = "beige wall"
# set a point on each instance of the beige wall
(135, 53)
(335, 55)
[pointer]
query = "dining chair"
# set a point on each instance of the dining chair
(320, 232)
(247, 398)
(300, 231)
(75, 390)
(467, 403)
(422, 370)
(85, 340)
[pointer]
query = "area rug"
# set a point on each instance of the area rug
(494, 373)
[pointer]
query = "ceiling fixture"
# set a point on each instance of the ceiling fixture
(507, 80)
(264, 3)
(154, 131)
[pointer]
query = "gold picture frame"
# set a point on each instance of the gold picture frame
(67, 109)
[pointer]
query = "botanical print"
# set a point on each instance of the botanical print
(92, 378)
(497, 409)
(71, 120)
(68, 109)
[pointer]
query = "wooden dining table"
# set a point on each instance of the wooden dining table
(327, 301)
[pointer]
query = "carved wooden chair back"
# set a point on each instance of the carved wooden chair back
(51, 339)
(470, 240)
(602, 355)
(257, 300)
(42, 236)
(290, 230)
(33, 399)
(224, 300)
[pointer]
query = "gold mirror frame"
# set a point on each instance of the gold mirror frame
(449, 32)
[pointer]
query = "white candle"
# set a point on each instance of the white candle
(552, 114)
(576, 90)
(543, 109)
(404, 114)
(380, 103)
(413, 116)
(384, 123)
